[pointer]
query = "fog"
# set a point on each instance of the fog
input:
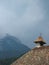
(24, 19)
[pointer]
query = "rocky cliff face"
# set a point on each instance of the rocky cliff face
(37, 56)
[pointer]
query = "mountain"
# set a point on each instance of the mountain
(11, 46)
(36, 56)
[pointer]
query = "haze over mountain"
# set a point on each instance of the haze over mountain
(11, 46)
(25, 19)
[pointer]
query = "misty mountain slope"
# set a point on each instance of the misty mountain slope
(11, 46)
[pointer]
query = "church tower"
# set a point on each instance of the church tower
(40, 41)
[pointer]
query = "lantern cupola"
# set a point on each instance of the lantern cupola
(40, 41)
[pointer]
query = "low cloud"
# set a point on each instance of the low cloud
(20, 18)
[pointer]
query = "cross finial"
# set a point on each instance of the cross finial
(40, 34)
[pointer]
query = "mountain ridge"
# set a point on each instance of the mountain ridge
(11, 46)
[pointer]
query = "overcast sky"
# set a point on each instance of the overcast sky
(25, 19)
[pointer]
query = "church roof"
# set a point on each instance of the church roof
(36, 56)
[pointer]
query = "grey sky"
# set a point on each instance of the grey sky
(24, 19)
